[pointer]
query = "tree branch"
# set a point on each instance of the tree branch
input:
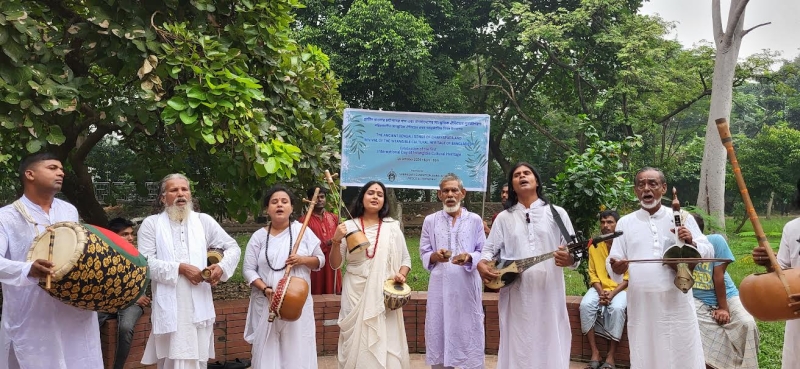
(716, 18)
(579, 91)
(703, 81)
(526, 118)
(89, 143)
(735, 20)
(505, 165)
(683, 107)
(745, 32)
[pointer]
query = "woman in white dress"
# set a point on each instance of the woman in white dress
(371, 336)
(280, 344)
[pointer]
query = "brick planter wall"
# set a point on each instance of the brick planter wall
(230, 344)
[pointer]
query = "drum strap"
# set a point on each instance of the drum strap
(20, 207)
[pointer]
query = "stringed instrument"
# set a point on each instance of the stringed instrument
(356, 239)
(291, 292)
(772, 296)
(684, 279)
(509, 270)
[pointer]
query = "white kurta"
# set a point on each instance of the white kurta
(662, 325)
(37, 330)
(534, 324)
(280, 344)
(192, 343)
(789, 257)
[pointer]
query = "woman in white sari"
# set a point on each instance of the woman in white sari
(280, 344)
(371, 336)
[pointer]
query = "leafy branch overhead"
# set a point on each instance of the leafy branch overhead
(216, 89)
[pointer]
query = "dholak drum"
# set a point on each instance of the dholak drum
(395, 295)
(95, 269)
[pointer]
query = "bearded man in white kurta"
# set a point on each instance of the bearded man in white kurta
(175, 243)
(663, 332)
(534, 324)
(37, 330)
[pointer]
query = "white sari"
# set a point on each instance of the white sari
(372, 336)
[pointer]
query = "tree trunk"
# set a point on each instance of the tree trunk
(769, 204)
(395, 207)
(711, 194)
(79, 190)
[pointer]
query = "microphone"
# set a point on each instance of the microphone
(603, 238)
(527, 218)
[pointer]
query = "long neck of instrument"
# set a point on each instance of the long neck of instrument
(677, 215)
(524, 264)
(302, 229)
(727, 142)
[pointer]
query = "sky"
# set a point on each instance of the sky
(693, 23)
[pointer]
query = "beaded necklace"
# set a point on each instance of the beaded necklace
(266, 252)
(374, 250)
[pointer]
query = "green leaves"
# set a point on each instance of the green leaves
(181, 83)
(177, 103)
(594, 179)
(33, 146)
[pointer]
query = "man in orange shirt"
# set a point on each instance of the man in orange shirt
(603, 306)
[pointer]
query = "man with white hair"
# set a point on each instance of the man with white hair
(175, 242)
(450, 248)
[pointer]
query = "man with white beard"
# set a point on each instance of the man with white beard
(175, 242)
(662, 325)
(454, 320)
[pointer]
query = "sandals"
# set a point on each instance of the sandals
(594, 364)
(608, 366)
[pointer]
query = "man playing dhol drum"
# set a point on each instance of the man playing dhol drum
(175, 242)
(127, 317)
(37, 330)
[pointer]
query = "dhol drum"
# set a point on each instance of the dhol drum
(95, 269)
(395, 295)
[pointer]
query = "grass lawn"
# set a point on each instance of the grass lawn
(771, 342)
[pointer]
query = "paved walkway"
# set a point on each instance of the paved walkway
(418, 362)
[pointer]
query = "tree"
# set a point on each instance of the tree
(216, 89)
(711, 196)
(550, 65)
(770, 162)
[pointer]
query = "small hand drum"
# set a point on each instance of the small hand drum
(356, 241)
(213, 256)
(395, 295)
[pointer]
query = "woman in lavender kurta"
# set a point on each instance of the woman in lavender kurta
(454, 314)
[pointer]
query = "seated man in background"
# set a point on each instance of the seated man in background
(127, 317)
(603, 306)
(729, 333)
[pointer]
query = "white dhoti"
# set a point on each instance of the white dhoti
(187, 348)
